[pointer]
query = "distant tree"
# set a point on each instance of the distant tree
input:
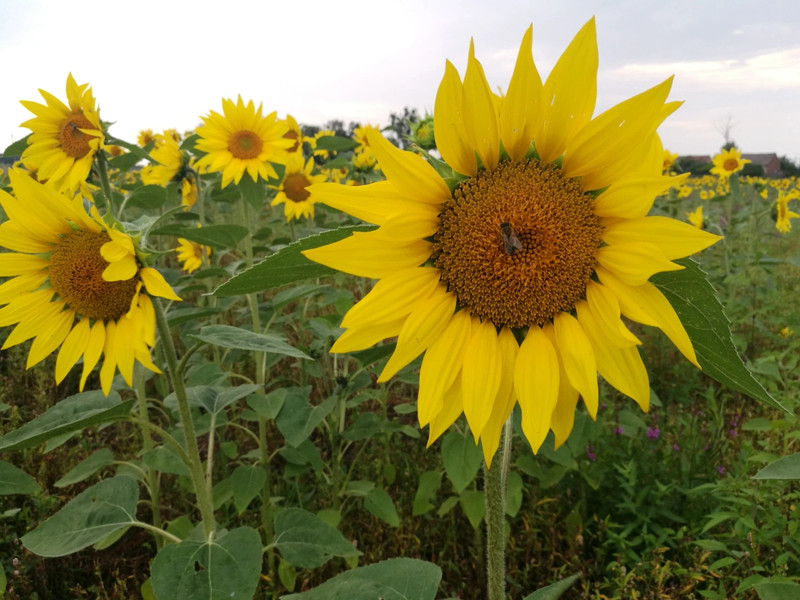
(400, 126)
(789, 167)
(337, 127)
(686, 164)
(725, 128)
(752, 170)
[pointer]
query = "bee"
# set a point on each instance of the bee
(511, 242)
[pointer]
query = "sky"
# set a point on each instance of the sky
(163, 64)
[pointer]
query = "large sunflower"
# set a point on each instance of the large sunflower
(242, 140)
(74, 283)
(64, 138)
(512, 279)
(293, 192)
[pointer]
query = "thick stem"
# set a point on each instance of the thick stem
(495, 492)
(176, 379)
(147, 444)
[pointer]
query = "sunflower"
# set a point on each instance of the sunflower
(512, 282)
(74, 283)
(669, 160)
(696, 217)
(145, 137)
(242, 140)
(728, 162)
(65, 137)
(297, 200)
(191, 254)
(361, 135)
(295, 134)
(312, 141)
(167, 152)
(784, 216)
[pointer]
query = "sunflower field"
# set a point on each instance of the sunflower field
(222, 349)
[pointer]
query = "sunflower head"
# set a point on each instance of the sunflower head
(728, 162)
(696, 217)
(169, 157)
(293, 193)
(191, 254)
(512, 276)
(64, 138)
(242, 140)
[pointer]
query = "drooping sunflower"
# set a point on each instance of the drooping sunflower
(297, 200)
(167, 152)
(64, 138)
(191, 254)
(295, 134)
(75, 283)
(728, 162)
(784, 216)
(512, 279)
(696, 217)
(240, 140)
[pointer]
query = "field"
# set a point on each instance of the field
(247, 460)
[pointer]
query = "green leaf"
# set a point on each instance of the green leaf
(777, 591)
(248, 482)
(216, 236)
(787, 467)
(365, 426)
(89, 517)
(379, 503)
(86, 468)
(268, 406)
(132, 148)
(254, 192)
(16, 481)
(693, 298)
(336, 143)
(71, 414)
(513, 493)
(462, 459)
(227, 567)
(165, 460)
(553, 591)
(393, 579)
(150, 197)
(179, 315)
(473, 503)
(373, 355)
(124, 162)
(298, 418)
(213, 399)
(429, 483)
(305, 540)
(243, 339)
(285, 266)
(287, 574)
(17, 148)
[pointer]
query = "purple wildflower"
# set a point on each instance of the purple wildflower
(618, 430)
(653, 433)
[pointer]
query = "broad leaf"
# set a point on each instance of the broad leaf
(242, 339)
(473, 503)
(86, 468)
(298, 418)
(17, 148)
(379, 503)
(393, 579)
(247, 482)
(217, 236)
(336, 143)
(71, 414)
(286, 266)
(429, 483)
(693, 298)
(777, 591)
(150, 197)
(16, 481)
(268, 405)
(787, 467)
(213, 399)
(227, 567)
(305, 540)
(553, 591)
(89, 517)
(462, 459)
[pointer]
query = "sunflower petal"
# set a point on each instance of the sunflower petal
(72, 349)
(452, 405)
(480, 116)
(481, 375)
(578, 359)
(361, 337)
(634, 263)
(156, 285)
(675, 239)
(536, 384)
(448, 124)
(504, 403)
(94, 348)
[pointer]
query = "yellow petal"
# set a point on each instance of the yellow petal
(121, 270)
(480, 117)
(112, 251)
(409, 227)
(442, 363)
(46, 342)
(16, 238)
(448, 124)
(605, 308)
(368, 255)
(522, 103)
(148, 320)
(409, 172)
(422, 327)
(125, 335)
(451, 409)
(578, 357)
(20, 284)
(504, 404)
(72, 349)
(675, 239)
(569, 95)
(359, 338)
(110, 360)
(18, 264)
(536, 383)
(634, 263)
(481, 375)
(373, 203)
(156, 285)
(94, 348)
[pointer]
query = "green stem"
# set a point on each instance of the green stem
(195, 464)
(495, 491)
(158, 530)
(147, 443)
(105, 183)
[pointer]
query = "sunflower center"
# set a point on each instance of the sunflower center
(730, 164)
(292, 135)
(294, 186)
(245, 145)
(517, 245)
(76, 273)
(73, 141)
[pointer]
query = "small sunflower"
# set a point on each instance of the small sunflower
(513, 282)
(297, 200)
(167, 152)
(728, 162)
(65, 137)
(312, 141)
(242, 140)
(145, 137)
(669, 160)
(696, 217)
(191, 254)
(360, 135)
(295, 134)
(784, 216)
(74, 283)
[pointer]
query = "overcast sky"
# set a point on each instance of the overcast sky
(160, 64)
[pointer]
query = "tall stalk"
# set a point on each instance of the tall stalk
(495, 483)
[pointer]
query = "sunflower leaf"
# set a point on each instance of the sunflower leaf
(336, 143)
(237, 338)
(16, 148)
(132, 148)
(14, 480)
(698, 308)
(554, 590)
(218, 236)
(286, 265)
